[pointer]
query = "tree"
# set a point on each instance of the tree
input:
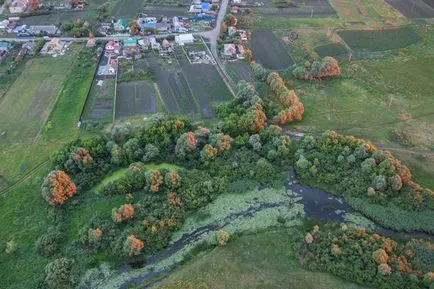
(59, 273)
(155, 180)
(151, 153)
(134, 27)
(57, 188)
(123, 213)
(186, 143)
(133, 246)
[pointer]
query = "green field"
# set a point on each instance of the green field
(263, 260)
(379, 40)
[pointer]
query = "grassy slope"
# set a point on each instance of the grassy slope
(378, 97)
(263, 260)
(24, 215)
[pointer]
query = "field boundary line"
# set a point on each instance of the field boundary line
(90, 86)
(157, 90)
(116, 94)
(26, 176)
(220, 69)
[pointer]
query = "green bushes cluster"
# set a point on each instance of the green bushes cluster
(367, 258)
(354, 167)
(325, 68)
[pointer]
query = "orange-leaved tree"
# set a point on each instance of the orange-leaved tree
(123, 213)
(133, 246)
(57, 188)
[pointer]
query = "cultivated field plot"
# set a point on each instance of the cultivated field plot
(240, 71)
(158, 11)
(135, 98)
(55, 18)
(333, 49)
(414, 8)
(304, 9)
(269, 51)
(28, 103)
(168, 2)
(379, 40)
(175, 92)
(368, 11)
(99, 105)
(128, 9)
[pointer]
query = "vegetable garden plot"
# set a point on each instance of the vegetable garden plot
(242, 71)
(379, 40)
(269, 51)
(206, 84)
(173, 87)
(135, 98)
(99, 105)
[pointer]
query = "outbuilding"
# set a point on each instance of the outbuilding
(183, 39)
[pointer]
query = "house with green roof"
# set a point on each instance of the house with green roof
(120, 25)
(4, 46)
(130, 42)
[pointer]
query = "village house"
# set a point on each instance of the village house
(154, 44)
(183, 39)
(235, 9)
(162, 27)
(4, 25)
(130, 48)
(229, 51)
(18, 6)
(38, 29)
(29, 47)
(232, 30)
(120, 25)
(144, 43)
(91, 42)
(53, 47)
(5, 46)
(112, 48)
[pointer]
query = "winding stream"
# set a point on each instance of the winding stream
(318, 205)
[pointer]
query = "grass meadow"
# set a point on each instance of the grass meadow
(261, 260)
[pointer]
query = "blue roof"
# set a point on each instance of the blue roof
(150, 25)
(205, 6)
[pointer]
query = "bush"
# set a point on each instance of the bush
(49, 243)
(59, 273)
(222, 237)
(11, 247)
(359, 256)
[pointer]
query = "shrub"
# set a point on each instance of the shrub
(49, 243)
(11, 247)
(222, 237)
